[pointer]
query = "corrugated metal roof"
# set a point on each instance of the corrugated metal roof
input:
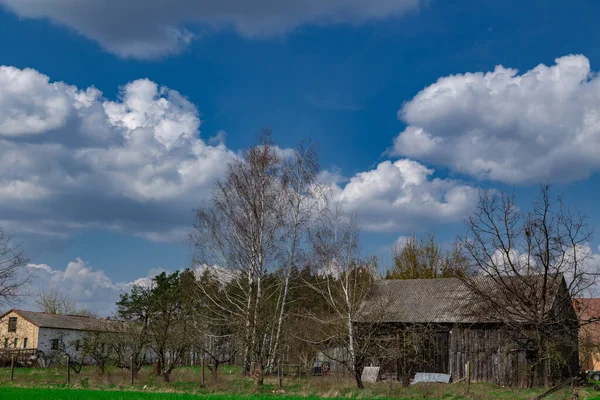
(73, 322)
(442, 300)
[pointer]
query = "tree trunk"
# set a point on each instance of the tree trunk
(358, 378)
(213, 373)
(260, 376)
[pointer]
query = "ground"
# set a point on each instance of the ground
(50, 384)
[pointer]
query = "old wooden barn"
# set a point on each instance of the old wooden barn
(433, 325)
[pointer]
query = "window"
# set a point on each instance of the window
(77, 345)
(12, 324)
(55, 344)
(16, 343)
(5, 342)
(25, 343)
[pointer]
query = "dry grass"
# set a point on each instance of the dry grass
(231, 382)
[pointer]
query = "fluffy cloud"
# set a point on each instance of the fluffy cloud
(92, 290)
(73, 160)
(543, 124)
(401, 195)
(150, 29)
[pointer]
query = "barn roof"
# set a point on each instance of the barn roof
(72, 322)
(441, 300)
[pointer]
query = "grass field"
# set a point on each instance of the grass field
(49, 383)
(15, 393)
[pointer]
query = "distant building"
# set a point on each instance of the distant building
(588, 312)
(43, 334)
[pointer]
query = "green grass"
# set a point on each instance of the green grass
(81, 394)
(15, 393)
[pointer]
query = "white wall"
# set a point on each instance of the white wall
(68, 337)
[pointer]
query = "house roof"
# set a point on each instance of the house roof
(71, 322)
(441, 300)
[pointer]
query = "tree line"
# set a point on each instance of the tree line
(279, 274)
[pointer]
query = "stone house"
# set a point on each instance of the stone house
(42, 334)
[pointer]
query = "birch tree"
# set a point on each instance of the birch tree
(303, 198)
(346, 281)
(242, 230)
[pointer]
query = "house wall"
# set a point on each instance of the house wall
(25, 329)
(67, 337)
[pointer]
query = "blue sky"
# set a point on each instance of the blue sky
(348, 75)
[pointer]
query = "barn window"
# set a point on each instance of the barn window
(25, 343)
(77, 345)
(55, 344)
(12, 324)
(5, 342)
(16, 343)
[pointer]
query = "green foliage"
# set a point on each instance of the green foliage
(161, 312)
(423, 258)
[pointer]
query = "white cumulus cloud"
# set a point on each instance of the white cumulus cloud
(72, 159)
(543, 124)
(89, 288)
(151, 29)
(402, 195)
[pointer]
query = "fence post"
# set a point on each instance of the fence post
(68, 369)
(12, 367)
(132, 370)
(202, 370)
(280, 374)
(468, 368)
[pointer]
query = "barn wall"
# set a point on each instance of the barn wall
(491, 352)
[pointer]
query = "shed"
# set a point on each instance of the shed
(444, 325)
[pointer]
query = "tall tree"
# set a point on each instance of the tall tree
(134, 311)
(242, 230)
(162, 318)
(346, 281)
(303, 198)
(527, 255)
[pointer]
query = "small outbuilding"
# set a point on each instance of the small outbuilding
(438, 325)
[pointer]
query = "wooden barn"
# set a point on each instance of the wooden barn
(437, 325)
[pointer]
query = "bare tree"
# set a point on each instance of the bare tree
(303, 198)
(55, 303)
(242, 230)
(536, 261)
(13, 271)
(98, 347)
(59, 303)
(346, 281)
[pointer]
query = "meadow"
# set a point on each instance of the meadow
(50, 384)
